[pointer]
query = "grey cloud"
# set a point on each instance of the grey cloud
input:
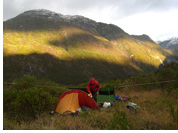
(122, 8)
(130, 7)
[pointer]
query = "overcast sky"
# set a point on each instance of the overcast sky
(156, 18)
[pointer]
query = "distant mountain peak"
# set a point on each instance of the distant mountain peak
(169, 43)
(41, 12)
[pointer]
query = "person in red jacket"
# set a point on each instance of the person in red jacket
(93, 88)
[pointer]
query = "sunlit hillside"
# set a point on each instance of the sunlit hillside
(67, 54)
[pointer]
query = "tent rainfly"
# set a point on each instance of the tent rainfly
(72, 100)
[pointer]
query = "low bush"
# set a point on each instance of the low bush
(29, 103)
(150, 81)
(25, 82)
(25, 101)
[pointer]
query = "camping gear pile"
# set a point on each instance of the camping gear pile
(75, 101)
(132, 106)
(106, 105)
(123, 98)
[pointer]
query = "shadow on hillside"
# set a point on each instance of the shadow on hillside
(144, 38)
(73, 71)
(169, 59)
(110, 31)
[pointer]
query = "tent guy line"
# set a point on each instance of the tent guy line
(114, 87)
(146, 83)
(36, 85)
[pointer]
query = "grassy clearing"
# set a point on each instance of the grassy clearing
(155, 113)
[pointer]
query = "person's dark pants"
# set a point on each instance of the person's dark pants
(94, 94)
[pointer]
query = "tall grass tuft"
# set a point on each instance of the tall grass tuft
(119, 121)
(174, 114)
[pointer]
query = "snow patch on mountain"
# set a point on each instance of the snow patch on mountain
(169, 42)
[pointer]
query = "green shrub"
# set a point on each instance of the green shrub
(168, 72)
(8, 98)
(25, 82)
(29, 81)
(29, 103)
(119, 121)
(30, 97)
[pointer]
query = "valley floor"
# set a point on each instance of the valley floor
(158, 111)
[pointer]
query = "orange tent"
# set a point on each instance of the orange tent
(74, 99)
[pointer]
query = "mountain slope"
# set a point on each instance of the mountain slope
(72, 49)
(171, 44)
